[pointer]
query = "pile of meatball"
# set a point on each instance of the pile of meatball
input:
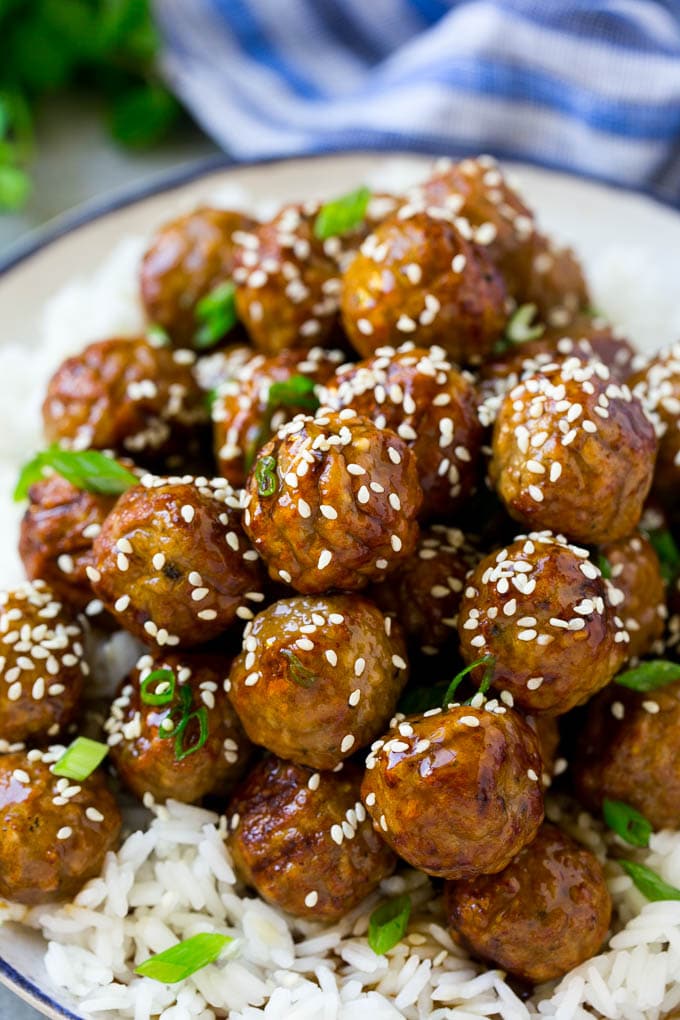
(307, 579)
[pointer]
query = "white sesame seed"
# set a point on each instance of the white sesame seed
(329, 512)
(121, 604)
(312, 898)
(395, 542)
(469, 720)
(347, 742)
(337, 834)
(354, 698)
(313, 781)
(187, 513)
(94, 815)
(324, 559)
(64, 832)
(532, 775)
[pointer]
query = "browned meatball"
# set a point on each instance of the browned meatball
(591, 337)
(42, 668)
(302, 839)
(177, 735)
(425, 593)
(658, 387)
(172, 563)
(456, 793)
(54, 833)
(186, 260)
(419, 276)
(332, 502)
(318, 678)
(543, 610)
(573, 451)
(432, 406)
(246, 410)
(128, 396)
(634, 568)
(629, 750)
(548, 911)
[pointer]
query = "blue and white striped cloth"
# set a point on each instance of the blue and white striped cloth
(591, 86)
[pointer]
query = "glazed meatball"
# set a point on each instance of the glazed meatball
(573, 451)
(425, 593)
(592, 338)
(543, 610)
(419, 276)
(302, 839)
(658, 387)
(128, 396)
(629, 750)
(318, 678)
(54, 833)
(187, 259)
(42, 668)
(172, 563)
(548, 911)
(634, 568)
(418, 394)
(177, 735)
(332, 502)
(456, 793)
(247, 410)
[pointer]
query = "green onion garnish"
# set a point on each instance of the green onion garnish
(159, 677)
(86, 469)
(297, 391)
(605, 566)
(666, 549)
(184, 959)
(519, 329)
(342, 215)
(157, 336)
(486, 660)
(80, 759)
(626, 822)
(417, 700)
(388, 924)
(299, 674)
(649, 676)
(216, 313)
(265, 476)
(649, 883)
(178, 731)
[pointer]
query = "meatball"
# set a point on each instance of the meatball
(634, 568)
(658, 387)
(543, 610)
(332, 502)
(172, 563)
(629, 750)
(41, 665)
(54, 833)
(425, 593)
(432, 406)
(247, 410)
(548, 911)
(177, 734)
(420, 276)
(302, 839)
(592, 338)
(573, 451)
(456, 793)
(186, 260)
(318, 678)
(128, 396)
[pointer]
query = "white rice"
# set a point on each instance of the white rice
(176, 878)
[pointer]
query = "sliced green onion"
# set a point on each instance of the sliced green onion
(297, 391)
(86, 469)
(486, 660)
(265, 476)
(184, 959)
(626, 822)
(649, 883)
(388, 923)
(179, 730)
(157, 336)
(342, 215)
(209, 398)
(519, 329)
(80, 759)
(649, 676)
(299, 674)
(158, 677)
(667, 550)
(605, 566)
(417, 700)
(216, 313)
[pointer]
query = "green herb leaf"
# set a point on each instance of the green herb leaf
(86, 469)
(649, 883)
(298, 391)
(626, 822)
(417, 700)
(342, 215)
(143, 115)
(265, 476)
(158, 677)
(649, 676)
(666, 549)
(388, 923)
(519, 329)
(217, 313)
(299, 674)
(80, 759)
(605, 566)
(30, 473)
(184, 959)
(157, 336)
(15, 187)
(486, 660)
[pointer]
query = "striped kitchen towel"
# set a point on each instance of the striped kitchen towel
(591, 86)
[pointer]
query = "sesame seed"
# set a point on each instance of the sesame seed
(651, 706)
(331, 657)
(122, 562)
(329, 512)
(354, 698)
(363, 495)
(94, 815)
(187, 513)
(207, 614)
(121, 604)
(337, 834)
(313, 781)
(395, 542)
(532, 775)
(398, 662)
(469, 720)
(347, 742)
(324, 559)
(64, 832)
(359, 666)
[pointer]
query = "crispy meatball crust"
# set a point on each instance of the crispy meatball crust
(54, 833)
(573, 451)
(636, 573)
(318, 677)
(658, 387)
(548, 911)
(128, 396)
(303, 841)
(336, 506)
(543, 610)
(147, 761)
(42, 669)
(456, 793)
(172, 563)
(432, 406)
(419, 276)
